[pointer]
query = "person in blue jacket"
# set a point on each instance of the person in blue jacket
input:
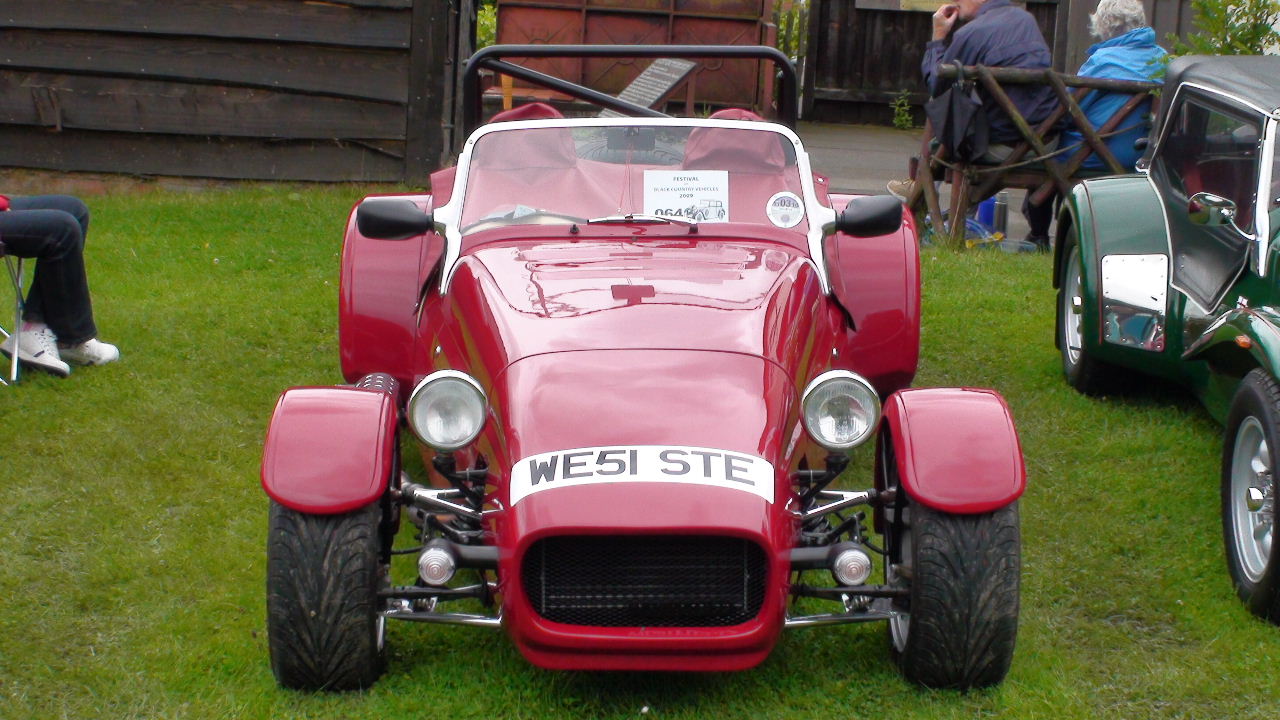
(995, 33)
(1128, 51)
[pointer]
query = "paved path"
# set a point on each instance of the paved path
(862, 158)
(859, 158)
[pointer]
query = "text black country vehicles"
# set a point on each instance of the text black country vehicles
(1173, 272)
(636, 352)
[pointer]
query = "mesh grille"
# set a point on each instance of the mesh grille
(650, 581)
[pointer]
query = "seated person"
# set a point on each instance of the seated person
(58, 325)
(994, 33)
(1128, 51)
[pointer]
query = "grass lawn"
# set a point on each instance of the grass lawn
(132, 525)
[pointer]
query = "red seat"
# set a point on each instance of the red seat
(758, 164)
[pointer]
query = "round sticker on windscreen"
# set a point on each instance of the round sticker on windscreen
(785, 209)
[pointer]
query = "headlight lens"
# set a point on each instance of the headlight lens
(447, 410)
(841, 409)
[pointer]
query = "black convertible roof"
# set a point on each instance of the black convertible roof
(1254, 79)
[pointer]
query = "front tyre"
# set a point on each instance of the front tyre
(958, 627)
(323, 576)
(1082, 371)
(1249, 492)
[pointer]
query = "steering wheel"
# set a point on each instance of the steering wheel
(537, 217)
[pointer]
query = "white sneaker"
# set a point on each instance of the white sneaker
(39, 348)
(90, 352)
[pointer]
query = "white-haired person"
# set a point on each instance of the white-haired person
(58, 328)
(1127, 51)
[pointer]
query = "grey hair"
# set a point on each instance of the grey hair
(1116, 17)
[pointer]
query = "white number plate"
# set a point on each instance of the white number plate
(642, 463)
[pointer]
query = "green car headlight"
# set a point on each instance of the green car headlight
(841, 410)
(447, 410)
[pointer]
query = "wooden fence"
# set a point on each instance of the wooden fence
(341, 90)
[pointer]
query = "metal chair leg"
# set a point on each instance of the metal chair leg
(15, 276)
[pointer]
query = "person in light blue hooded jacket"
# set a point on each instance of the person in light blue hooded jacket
(1128, 51)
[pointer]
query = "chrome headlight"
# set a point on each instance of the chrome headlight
(447, 410)
(841, 410)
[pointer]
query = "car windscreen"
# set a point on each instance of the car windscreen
(569, 175)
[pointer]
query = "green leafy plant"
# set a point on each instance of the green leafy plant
(1231, 27)
(791, 18)
(901, 106)
(486, 24)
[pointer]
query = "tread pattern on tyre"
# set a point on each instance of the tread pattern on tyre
(322, 580)
(964, 599)
(1257, 396)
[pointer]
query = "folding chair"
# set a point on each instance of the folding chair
(15, 276)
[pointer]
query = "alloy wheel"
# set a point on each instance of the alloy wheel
(1252, 502)
(1072, 305)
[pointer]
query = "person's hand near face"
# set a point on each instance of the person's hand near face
(944, 19)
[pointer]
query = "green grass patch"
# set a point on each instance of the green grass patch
(132, 526)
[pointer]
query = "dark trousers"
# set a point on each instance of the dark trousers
(1039, 217)
(52, 229)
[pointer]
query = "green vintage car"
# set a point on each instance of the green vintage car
(1175, 272)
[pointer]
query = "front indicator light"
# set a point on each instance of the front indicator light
(851, 566)
(436, 565)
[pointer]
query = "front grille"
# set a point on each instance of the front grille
(643, 580)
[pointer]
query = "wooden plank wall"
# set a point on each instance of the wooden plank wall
(245, 89)
(860, 58)
(864, 53)
(461, 44)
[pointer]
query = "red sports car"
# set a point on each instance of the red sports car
(636, 353)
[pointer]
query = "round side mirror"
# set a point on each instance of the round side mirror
(870, 216)
(392, 219)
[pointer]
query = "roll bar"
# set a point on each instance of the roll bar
(492, 58)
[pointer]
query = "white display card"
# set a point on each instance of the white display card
(697, 195)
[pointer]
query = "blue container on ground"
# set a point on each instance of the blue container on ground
(987, 213)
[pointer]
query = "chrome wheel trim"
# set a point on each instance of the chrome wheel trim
(380, 628)
(1072, 306)
(1251, 530)
(899, 628)
(900, 622)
